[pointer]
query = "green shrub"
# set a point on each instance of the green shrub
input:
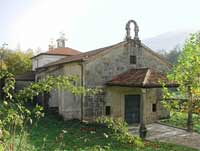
(16, 115)
(120, 130)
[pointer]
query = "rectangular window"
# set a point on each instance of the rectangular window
(107, 110)
(154, 107)
(132, 59)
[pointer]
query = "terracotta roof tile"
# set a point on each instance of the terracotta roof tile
(60, 51)
(64, 51)
(142, 77)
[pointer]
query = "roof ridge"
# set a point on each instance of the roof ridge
(148, 72)
(63, 48)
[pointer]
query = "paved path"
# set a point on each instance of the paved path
(169, 134)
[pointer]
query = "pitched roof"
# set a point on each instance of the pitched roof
(84, 56)
(142, 77)
(27, 76)
(60, 51)
(64, 51)
(89, 54)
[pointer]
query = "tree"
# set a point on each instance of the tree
(186, 73)
(171, 56)
(18, 62)
(2, 56)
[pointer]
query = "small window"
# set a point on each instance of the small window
(154, 107)
(107, 110)
(132, 59)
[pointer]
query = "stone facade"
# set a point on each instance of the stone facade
(94, 106)
(96, 72)
(117, 61)
(104, 67)
(116, 98)
(95, 69)
(68, 104)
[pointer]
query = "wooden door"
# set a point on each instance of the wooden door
(132, 109)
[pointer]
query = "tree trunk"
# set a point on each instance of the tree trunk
(190, 121)
(190, 111)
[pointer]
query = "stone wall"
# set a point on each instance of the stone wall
(94, 106)
(115, 97)
(104, 67)
(54, 97)
(150, 60)
(71, 104)
(154, 96)
(43, 59)
(67, 103)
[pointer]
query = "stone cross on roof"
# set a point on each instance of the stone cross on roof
(128, 29)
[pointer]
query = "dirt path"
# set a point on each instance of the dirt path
(169, 134)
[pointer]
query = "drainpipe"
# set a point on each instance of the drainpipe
(82, 97)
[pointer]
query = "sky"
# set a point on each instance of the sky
(90, 24)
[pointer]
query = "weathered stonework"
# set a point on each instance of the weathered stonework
(117, 61)
(150, 60)
(96, 72)
(98, 67)
(94, 106)
(116, 98)
(68, 104)
(105, 67)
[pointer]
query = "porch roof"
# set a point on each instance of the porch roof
(142, 77)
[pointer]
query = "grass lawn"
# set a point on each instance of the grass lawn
(52, 134)
(180, 120)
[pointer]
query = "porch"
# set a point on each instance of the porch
(135, 96)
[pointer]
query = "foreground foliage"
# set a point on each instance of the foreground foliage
(186, 73)
(120, 131)
(17, 109)
(52, 134)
